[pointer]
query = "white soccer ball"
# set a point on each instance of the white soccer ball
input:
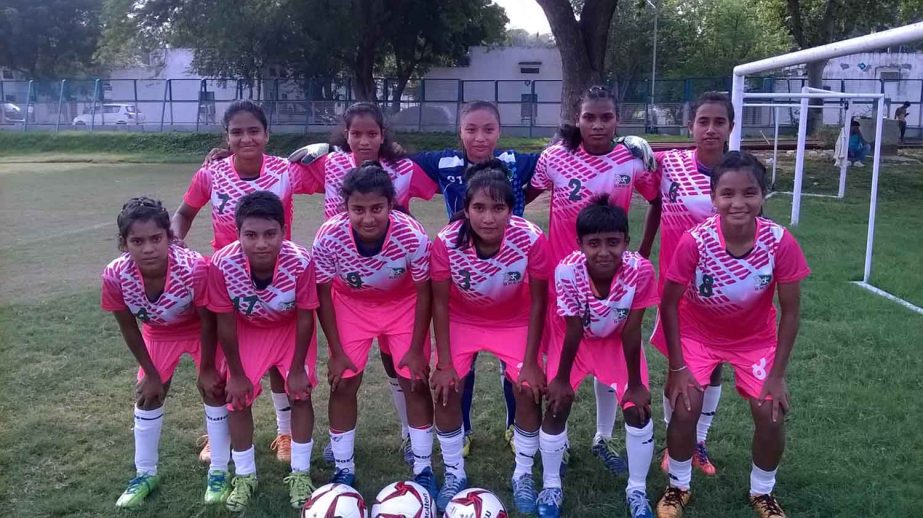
(404, 499)
(475, 503)
(335, 500)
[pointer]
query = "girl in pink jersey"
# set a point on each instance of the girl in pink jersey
(490, 285)
(684, 202)
(223, 183)
(718, 307)
(263, 292)
(602, 292)
(163, 285)
(373, 282)
(586, 163)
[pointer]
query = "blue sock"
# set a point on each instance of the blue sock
(467, 397)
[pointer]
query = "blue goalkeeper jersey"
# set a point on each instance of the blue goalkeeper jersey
(447, 168)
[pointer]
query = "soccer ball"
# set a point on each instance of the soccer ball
(335, 501)
(475, 503)
(404, 499)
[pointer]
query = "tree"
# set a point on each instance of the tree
(49, 39)
(581, 31)
(523, 38)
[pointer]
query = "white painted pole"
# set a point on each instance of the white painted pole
(847, 128)
(775, 145)
(873, 202)
(799, 160)
(737, 99)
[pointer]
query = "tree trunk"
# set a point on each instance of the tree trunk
(363, 77)
(582, 46)
(815, 72)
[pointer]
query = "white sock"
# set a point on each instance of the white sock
(283, 413)
(762, 482)
(244, 461)
(667, 410)
(680, 473)
(219, 437)
(451, 444)
(606, 405)
(343, 446)
(400, 404)
(709, 407)
(301, 456)
(148, 424)
(639, 443)
(553, 447)
(421, 442)
(526, 444)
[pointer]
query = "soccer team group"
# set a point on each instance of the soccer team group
(554, 307)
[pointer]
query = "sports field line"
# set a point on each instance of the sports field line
(55, 236)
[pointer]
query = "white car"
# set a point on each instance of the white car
(110, 114)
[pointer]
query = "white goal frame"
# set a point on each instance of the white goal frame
(893, 37)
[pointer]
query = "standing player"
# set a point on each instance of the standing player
(223, 183)
(373, 282)
(602, 292)
(262, 289)
(718, 307)
(684, 202)
(164, 286)
(490, 285)
(587, 163)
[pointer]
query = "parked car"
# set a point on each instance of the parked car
(10, 113)
(110, 114)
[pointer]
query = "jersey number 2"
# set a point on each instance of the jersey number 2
(574, 185)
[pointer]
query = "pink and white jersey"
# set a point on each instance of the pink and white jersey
(231, 286)
(173, 315)
(219, 183)
(492, 291)
(685, 194)
(387, 276)
(633, 287)
(410, 181)
(575, 177)
(728, 300)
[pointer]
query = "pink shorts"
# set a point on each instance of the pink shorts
(166, 354)
(391, 323)
(508, 344)
(752, 362)
(602, 358)
(262, 348)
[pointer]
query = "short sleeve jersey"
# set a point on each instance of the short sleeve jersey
(575, 177)
(410, 181)
(173, 315)
(728, 300)
(388, 275)
(231, 287)
(219, 183)
(493, 291)
(685, 194)
(447, 168)
(633, 287)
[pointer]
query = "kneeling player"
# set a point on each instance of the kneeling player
(262, 289)
(602, 291)
(718, 308)
(373, 282)
(163, 285)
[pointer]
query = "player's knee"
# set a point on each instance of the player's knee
(146, 405)
(304, 402)
(684, 417)
(635, 418)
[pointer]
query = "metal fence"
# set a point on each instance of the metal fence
(526, 107)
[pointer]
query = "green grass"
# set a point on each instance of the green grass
(854, 439)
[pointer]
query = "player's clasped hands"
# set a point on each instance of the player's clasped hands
(336, 366)
(442, 380)
(150, 392)
(776, 390)
(532, 378)
(416, 363)
(210, 383)
(239, 389)
(298, 385)
(560, 395)
(640, 397)
(678, 384)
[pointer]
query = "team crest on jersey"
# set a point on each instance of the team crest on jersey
(354, 280)
(397, 272)
(674, 191)
(623, 179)
(621, 314)
(762, 281)
(512, 278)
(287, 306)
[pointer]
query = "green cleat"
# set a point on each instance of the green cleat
(218, 487)
(244, 487)
(138, 489)
(300, 488)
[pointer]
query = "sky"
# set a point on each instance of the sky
(525, 14)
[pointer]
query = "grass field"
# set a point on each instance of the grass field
(66, 377)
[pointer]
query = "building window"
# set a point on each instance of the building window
(530, 67)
